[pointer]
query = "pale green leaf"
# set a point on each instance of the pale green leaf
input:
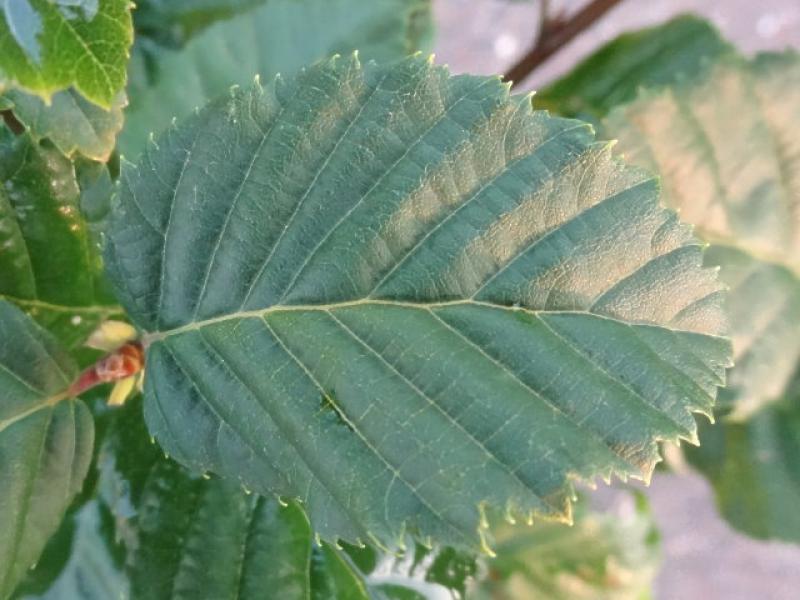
(45, 442)
(406, 299)
(71, 122)
(50, 45)
(279, 37)
(50, 263)
(603, 556)
(724, 143)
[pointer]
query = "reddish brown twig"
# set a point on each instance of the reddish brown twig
(122, 363)
(555, 33)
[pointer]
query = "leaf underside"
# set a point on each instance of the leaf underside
(405, 298)
(725, 143)
(45, 448)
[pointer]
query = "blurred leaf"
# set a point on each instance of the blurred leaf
(402, 291)
(755, 470)
(279, 37)
(71, 122)
(600, 557)
(725, 144)
(173, 22)
(50, 263)
(92, 572)
(46, 442)
(648, 58)
(49, 45)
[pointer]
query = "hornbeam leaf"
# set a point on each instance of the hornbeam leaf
(723, 142)
(279, 37)
(755, 472)
(407, 300)
(49, 46)
(50, 263)
(45, 442)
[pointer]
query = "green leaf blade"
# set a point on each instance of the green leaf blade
(401, 249)
(45, 442)
(47, 47)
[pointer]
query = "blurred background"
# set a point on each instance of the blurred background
(702, 556)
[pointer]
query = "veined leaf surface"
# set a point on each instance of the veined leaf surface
(407, 299)
(45, 442)
(49, 46)
(724, 144)
(280, 36)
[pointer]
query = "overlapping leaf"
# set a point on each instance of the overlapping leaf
(50, 264)
(45, 442)
(406, 299)
(725, 144)
(71, 122)
(279, 37)
(48, 46)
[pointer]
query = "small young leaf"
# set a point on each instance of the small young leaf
(45, 442)
(407, 299)
(279, 37)
(724, 144)
(49, 46)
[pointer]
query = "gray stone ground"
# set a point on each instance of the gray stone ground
(703, 557)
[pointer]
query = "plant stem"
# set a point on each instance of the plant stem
(554, 34)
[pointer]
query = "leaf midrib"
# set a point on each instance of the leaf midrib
(156, 336)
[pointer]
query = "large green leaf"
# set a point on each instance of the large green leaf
(45, 442)
(50, 45)
(647, 58)
(279, 37)
(407, 299)
(725, 144)
(50, 264)
(602, 557)
(70, 121)
(755, 470)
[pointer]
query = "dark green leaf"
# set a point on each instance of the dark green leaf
(406, 299)
(755, 470)
(71, 122)
(648, 58)
(47, 46)
(601, 557)
(279, 37)
(725, 145)
(45, 442)
(50, 263)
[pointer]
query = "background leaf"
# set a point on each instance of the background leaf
(45, 442)
(71, 122)
(47, 46)
(724, 144)
(50, 263)
(409, 301)
(648, 58)
(602, 557)
(278, 37)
